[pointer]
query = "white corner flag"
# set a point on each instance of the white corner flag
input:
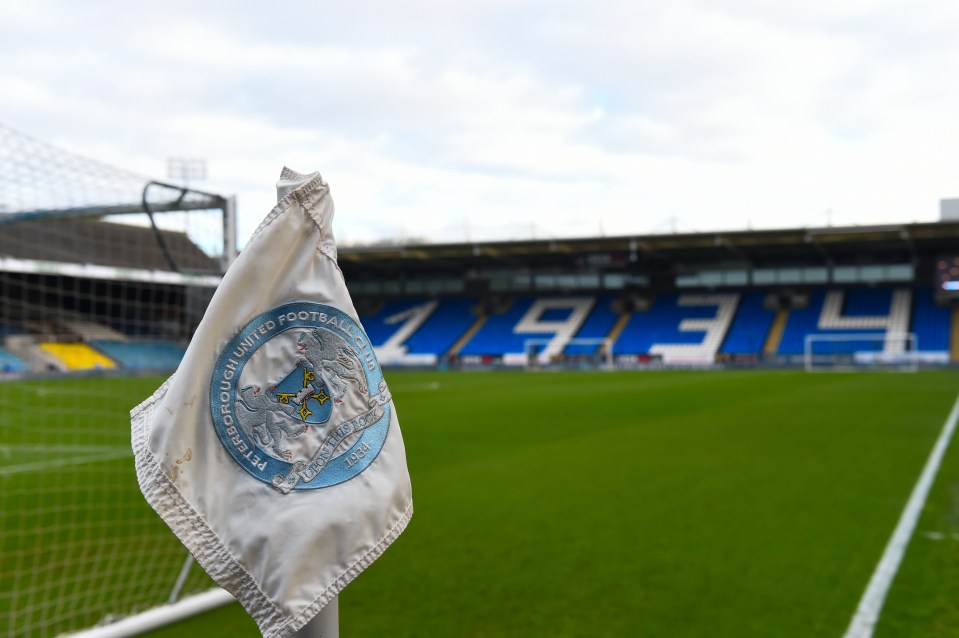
(274, 452)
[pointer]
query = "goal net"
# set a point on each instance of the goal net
(577, 353)
(103, 278)
(850, 352)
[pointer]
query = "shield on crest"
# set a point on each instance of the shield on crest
(303, 395)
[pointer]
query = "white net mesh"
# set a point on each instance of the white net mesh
(94, 314)
(40, 178)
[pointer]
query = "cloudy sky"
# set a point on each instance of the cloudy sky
(495, 119)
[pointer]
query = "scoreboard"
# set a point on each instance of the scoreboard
(947, 274)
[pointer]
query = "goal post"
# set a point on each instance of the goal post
(839, 352)
(584, 353)
(97, 305)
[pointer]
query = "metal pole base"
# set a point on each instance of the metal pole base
(325, 624)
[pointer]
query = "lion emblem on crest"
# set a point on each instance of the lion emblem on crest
(258, 419)
(332, 359)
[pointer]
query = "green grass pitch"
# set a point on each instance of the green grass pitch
(734, 504)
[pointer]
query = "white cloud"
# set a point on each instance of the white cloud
(494, 118)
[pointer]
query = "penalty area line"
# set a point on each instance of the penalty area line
(870, 606)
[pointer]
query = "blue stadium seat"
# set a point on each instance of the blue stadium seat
(802, 321)
(378, 329)
(600, 321)
(930, 322)
(660, 324)
(858, 303)
(10, 363)
(867, 302)
(750, 327)
(451, 319)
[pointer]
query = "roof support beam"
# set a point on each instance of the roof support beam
(827, 258)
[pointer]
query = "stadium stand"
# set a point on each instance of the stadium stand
(738, 296)
(851, 311)
(141, 355)
(90, 331)
(680, 328)
(690, 327)
(746, 320)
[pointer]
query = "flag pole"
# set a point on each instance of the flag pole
(325, 624)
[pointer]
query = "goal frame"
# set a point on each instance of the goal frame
(896, 359)
(104, 277)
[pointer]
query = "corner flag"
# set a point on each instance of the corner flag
(274, 452)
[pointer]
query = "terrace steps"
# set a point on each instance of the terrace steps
(469, 334)
(775, 335)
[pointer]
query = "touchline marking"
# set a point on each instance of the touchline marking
(53, 464)
(870, 606)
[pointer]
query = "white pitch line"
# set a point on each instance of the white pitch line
(870, 606)
(416, 387)
(52, 464)
(55, 449)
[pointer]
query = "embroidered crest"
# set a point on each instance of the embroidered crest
(298, 398)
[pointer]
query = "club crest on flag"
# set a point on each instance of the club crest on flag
(298, 399)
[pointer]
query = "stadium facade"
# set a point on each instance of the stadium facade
(681, 299)
(859, 294)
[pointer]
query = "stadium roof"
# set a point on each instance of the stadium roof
(85, 241)
(887, 244)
